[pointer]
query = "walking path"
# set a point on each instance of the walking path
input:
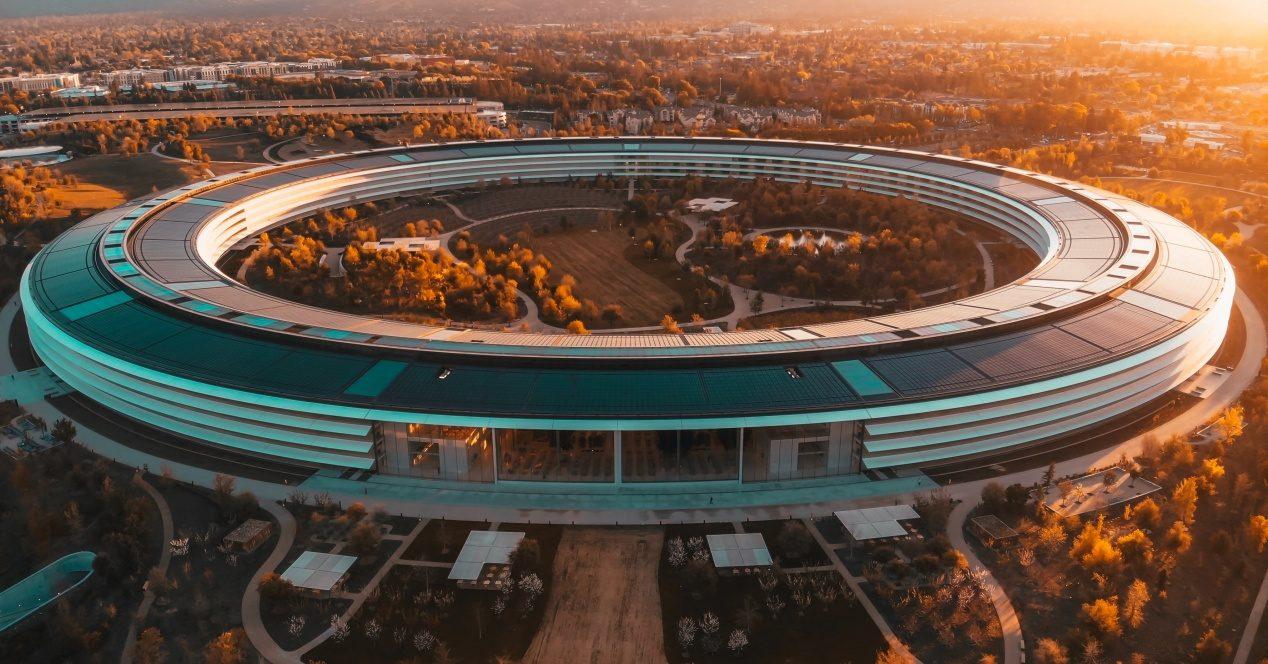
(1009, 622)
(1256, 617)
(1185, 182)
(856, 587)
(252, 623)
(165, 559)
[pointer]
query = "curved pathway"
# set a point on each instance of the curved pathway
(270, 152)
(252, 623)
(1185, 182)
(1009, 621)
(165, 559)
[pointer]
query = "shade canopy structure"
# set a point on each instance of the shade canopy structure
(876, 522)
(739, 550)
(318, 571)
(484, 547)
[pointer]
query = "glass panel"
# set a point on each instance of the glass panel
(798, 451)
(449, 453)
(679, 456)
(556, 456)
(649, 456)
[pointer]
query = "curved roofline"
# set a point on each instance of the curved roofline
(1124, 247)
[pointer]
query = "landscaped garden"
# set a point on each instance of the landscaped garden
(769, 616)
(1149, 579)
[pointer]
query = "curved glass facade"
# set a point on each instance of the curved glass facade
(1126, 304)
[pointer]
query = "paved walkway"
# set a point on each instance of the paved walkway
(1253, 621)
(855, 584)
(165, 559)
(1009, 622)
(1192, 184)
(252, 623)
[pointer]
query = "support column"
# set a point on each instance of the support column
(616, 460)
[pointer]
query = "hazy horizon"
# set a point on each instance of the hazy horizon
(1212, 20)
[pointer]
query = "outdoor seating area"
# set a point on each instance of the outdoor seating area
(877, 523)
(1095, 492)
(739, 554)
(484, 563)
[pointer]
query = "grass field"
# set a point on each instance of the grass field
(223, 144)
(83, 197)
(604, 273)
(131, 176)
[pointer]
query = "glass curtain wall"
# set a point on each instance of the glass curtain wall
(798, 451)
(437, 452)
(556, 456)
(680, 456)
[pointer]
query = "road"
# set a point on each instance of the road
(231, 109)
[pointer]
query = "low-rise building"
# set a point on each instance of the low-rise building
(133, 77)
(38, 82)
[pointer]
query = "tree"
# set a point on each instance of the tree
(1177, 537)
(577, 327)
(1136, 547)
(1048, 476)
(1134, 604)
(226, 649)
(1259, 531)
(149, 647)
(1146, 514)
(1211, 649)
(893, 656)
(612, 313)
(1102, 615)
(1050, 651)
(64, 430)
(1184, 500)
(364, 539)
(1232, 422)
(670, 325)
(993, 496)
(275, 588)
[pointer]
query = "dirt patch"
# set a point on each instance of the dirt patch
(604, 600)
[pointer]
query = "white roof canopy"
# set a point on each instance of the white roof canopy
(484, 547)
(876, 522)
(738, 550)
(318, 571)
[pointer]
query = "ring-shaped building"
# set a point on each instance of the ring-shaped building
(129, 308)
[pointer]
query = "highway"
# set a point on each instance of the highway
(230, 109)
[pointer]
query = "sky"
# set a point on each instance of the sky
(1214, 20)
